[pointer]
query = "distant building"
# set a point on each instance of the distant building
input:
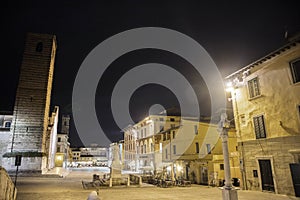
(51, 138)
(178, 147)
(142, 152)
(63, 157)
(28, 132)
(93, 155)
(266, 103)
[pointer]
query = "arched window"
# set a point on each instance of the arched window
(39, 47)
(7, 124)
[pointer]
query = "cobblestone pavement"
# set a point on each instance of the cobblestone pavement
(70, 188)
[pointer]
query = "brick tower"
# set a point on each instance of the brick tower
(65, 124)
(32, 104)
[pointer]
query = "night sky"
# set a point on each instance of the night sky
(234, 33)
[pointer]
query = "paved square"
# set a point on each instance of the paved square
(70, 188)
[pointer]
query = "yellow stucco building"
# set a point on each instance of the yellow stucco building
(201, 161)
(266, 103)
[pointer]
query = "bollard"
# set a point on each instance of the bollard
(110, 182)
(128, 181)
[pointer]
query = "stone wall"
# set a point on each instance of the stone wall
(7, 190)
(277, 151)
(31, 109)
(4, 135)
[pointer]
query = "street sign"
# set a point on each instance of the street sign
(18, 160)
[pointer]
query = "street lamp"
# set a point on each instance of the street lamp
(228, 192)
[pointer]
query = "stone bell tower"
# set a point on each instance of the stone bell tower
(32, 104)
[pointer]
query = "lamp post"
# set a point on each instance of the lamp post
(228, 192)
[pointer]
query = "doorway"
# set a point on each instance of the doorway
(266, 175)
(204, 176)
(295, 172)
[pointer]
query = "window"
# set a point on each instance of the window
(58, 149)
(172, 125)
(39, 47)
(142, 133)
(59, 139)
(145, 132)
(197, 147)
(161, 119)
(299, 109)
(172, 119)
(196, 129)
(295, 70)
(243, 120)
(253, 87)
(221, 166)
(208, 148)
(174, 149)
(152, 147)
(7, 124)
(259, 127)
(166, 151)
(174, 134)
(161, 128)
(160, 147)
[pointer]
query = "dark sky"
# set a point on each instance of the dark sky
(234, 33)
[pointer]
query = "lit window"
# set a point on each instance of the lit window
(253, 87)
(295, 69)
(160, 147)
(259, 127)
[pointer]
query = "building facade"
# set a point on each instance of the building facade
(194, 152)
(31, 110)
(266, 102)
(179, 147)
(94, 155)
(62, 156)
(51, 138)
(5, 125)
(143, 144)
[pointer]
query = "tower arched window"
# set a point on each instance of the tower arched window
(39, 47)
(7, 124)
